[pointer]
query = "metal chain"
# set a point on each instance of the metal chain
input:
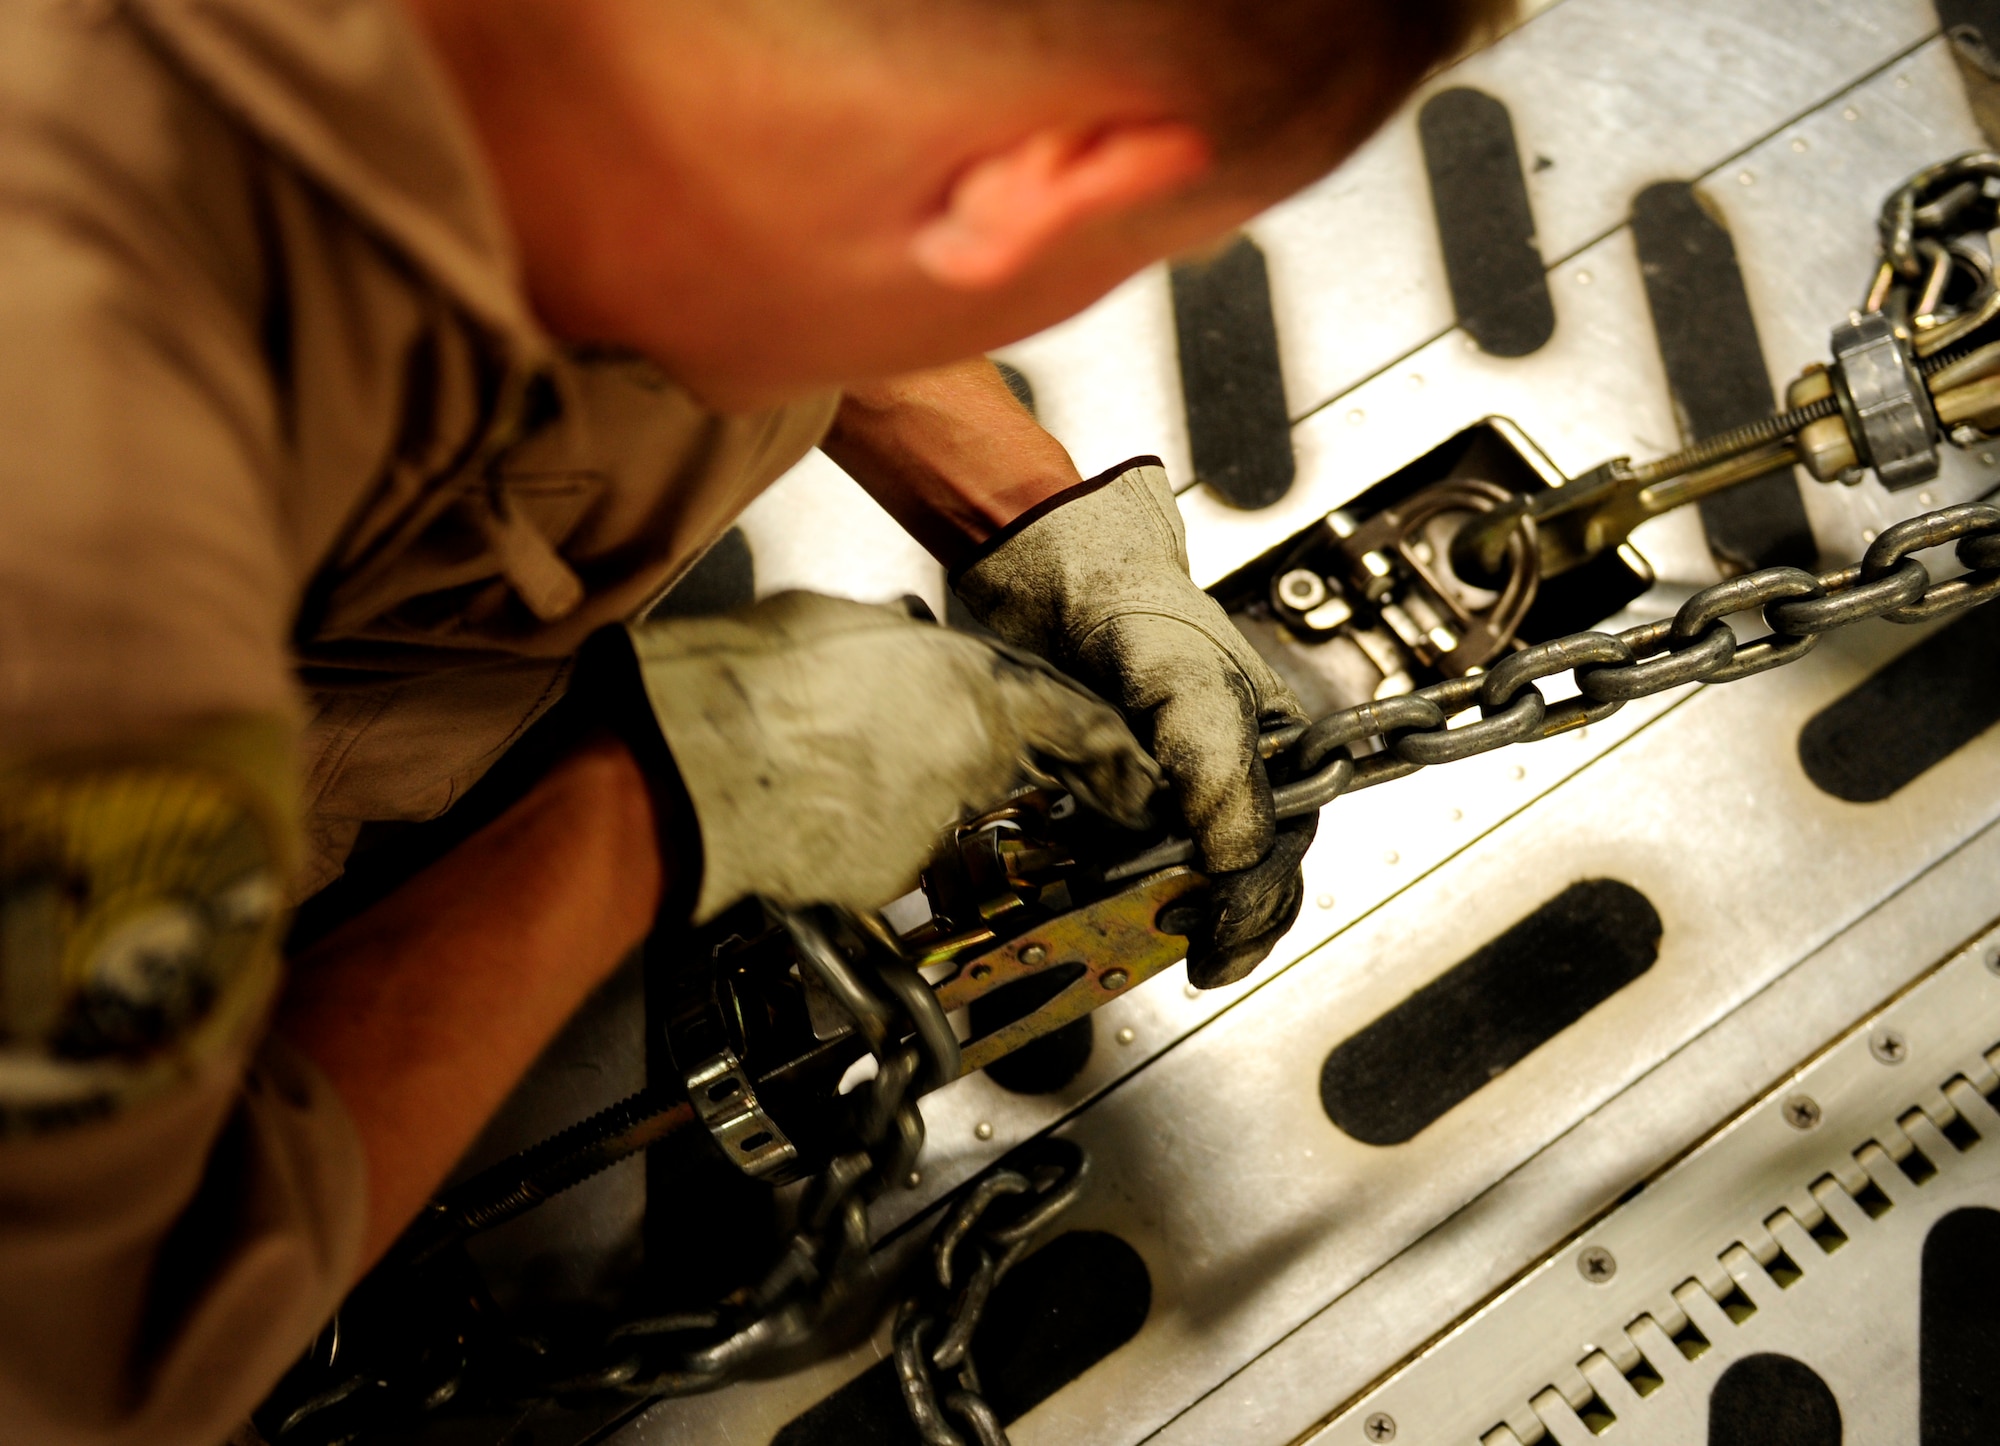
(690, 1352)
(993, 1224)
(1932, 232)
(898, 1017)
(1931, 204)
(684, 1354)
(1696, 645)
(982, 1239)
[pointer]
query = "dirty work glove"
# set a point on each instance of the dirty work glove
(825, 744)
(1097, 582)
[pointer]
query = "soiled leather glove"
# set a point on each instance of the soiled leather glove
(825, 744)
(1096, 580)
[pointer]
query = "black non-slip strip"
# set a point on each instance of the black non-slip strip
(1910, 716)
(1715, 368)
(1466, 1028)
(1772, 1400)
(1232, 379)
(1062, 1311)
(1017, 383)
(1045, 1065)
(725, 579)
(1963, 20)
(1486, 223)
(1959, 1350)
(1972, 28)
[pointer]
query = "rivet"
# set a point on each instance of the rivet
(1850, 114)
(913, 1179)
(1302, 589)
(1584, 278)
(1392, 858)
(1126, 1036)
(1326, 901)
(1888, 1046)
(982, 1130)
(1802, 1112)
(1356, 417)
(1519, 772)
(1597, 1265)
(1192, 991)
(1114, 979)
(1034, 956)
(1746, 178)
(1799, 143)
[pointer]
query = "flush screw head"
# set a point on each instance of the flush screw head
(1379, 1427)
(1802, 1112)
(1115, 979)
(1888, 1046)
(1597, 1265)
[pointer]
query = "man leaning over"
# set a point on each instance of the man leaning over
(359, 359)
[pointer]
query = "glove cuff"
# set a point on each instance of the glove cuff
(609, 691)
(1043, 508)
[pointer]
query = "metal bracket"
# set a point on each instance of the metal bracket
(726, 1102)
(1116, 944)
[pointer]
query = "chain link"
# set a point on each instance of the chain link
(828, 1252)
(983, 1238)
(690, 1352)
(1696, 645)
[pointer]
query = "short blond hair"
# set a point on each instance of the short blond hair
(1293, 54)
(1262, 67)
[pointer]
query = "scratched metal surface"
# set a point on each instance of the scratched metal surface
(1293, 1267)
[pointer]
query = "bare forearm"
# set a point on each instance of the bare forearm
(425, 1011)
(950, 454)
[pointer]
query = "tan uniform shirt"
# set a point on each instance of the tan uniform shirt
(280, 440)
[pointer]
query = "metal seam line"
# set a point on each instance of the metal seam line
(1570, 256)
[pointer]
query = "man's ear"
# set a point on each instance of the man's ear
(1008, 208)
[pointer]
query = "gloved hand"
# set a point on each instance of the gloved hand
(826, 744)
(1098, 584)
